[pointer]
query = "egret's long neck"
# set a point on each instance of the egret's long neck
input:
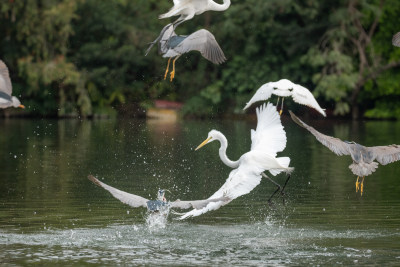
(222, 153)
(219, 7)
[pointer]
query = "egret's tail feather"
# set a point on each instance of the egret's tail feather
(284, 163)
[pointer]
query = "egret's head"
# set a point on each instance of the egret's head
(212, 136)
(16, 103)
(161, 195)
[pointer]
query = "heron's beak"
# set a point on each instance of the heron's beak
(21, 106)
(204, 143)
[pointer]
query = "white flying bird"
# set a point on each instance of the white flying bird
(268, 139)
(284, 88)
(6, 100)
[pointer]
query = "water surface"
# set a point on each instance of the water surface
(51, 214)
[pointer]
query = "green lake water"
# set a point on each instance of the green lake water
(50, 213)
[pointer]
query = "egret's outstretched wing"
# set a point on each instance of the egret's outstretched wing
(204, 42)
(386, 154)
(396, 39)
(269, 136)
(263, 93)
(336, 145)
(196, 204)
(5, 81)
(129, 199)
(240, 182)
(303, 96)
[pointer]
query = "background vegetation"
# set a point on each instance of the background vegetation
(86, 57)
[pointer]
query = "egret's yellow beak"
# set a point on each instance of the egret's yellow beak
(204, 143)
(21, 106)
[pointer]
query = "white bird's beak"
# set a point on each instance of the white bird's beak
(204, 143)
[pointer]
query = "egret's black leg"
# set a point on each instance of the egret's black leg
(286, 182)
(275, 183)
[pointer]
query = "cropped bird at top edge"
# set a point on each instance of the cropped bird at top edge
(6, 100)
(284, 88)
(396, 39)
(268, 139)
(136, 201)
(187, 9)
(363, 157)
(173, 46)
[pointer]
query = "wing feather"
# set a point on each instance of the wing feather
(126, 198)
(386, 154)
(263, 93)
(196, 204)
(303, 96)
(396, 39)
(336, 145)
(5, 81)
(269, 136)
(204, 42)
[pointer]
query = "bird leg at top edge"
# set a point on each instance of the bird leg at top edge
(166, 71)
(280, 112)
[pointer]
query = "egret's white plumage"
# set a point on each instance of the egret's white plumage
(6, 100)
(187, 9)
(268, 139)
(285, 88)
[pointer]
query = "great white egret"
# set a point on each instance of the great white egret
(153, 205)
(187, 9)
(363, 157)
(284, 88)
(6, 100)
(268, 139)
(173, 46)
(396, 39)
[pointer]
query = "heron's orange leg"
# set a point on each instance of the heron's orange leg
(362, 185)
(166, 71)
(357, 184)
(172, 74)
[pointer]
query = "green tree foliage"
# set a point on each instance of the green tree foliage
(84, 57)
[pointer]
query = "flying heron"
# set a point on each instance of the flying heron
(6, 100)
(363, 157)
(159, 204)
(268, 139)
(187, 9)
(284, 88)
(173, 46)
(396, 39)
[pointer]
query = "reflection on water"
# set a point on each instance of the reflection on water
(51, 213)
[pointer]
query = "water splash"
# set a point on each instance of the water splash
(157, 220)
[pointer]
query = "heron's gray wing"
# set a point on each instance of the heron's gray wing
(196, 204)
(396, 39)
(386, 154)
(204, 42)
(5, 81)
(336, 145)
(161, 39)
(126, 198)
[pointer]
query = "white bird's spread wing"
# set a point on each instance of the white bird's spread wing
(303, 96)
(386, 154)
(204, 42)
(196, 204)
(126, 198)
(396, 39)
(5, 81)
(263, 93)
(240, 182)
(269, 136)
(336, 145)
